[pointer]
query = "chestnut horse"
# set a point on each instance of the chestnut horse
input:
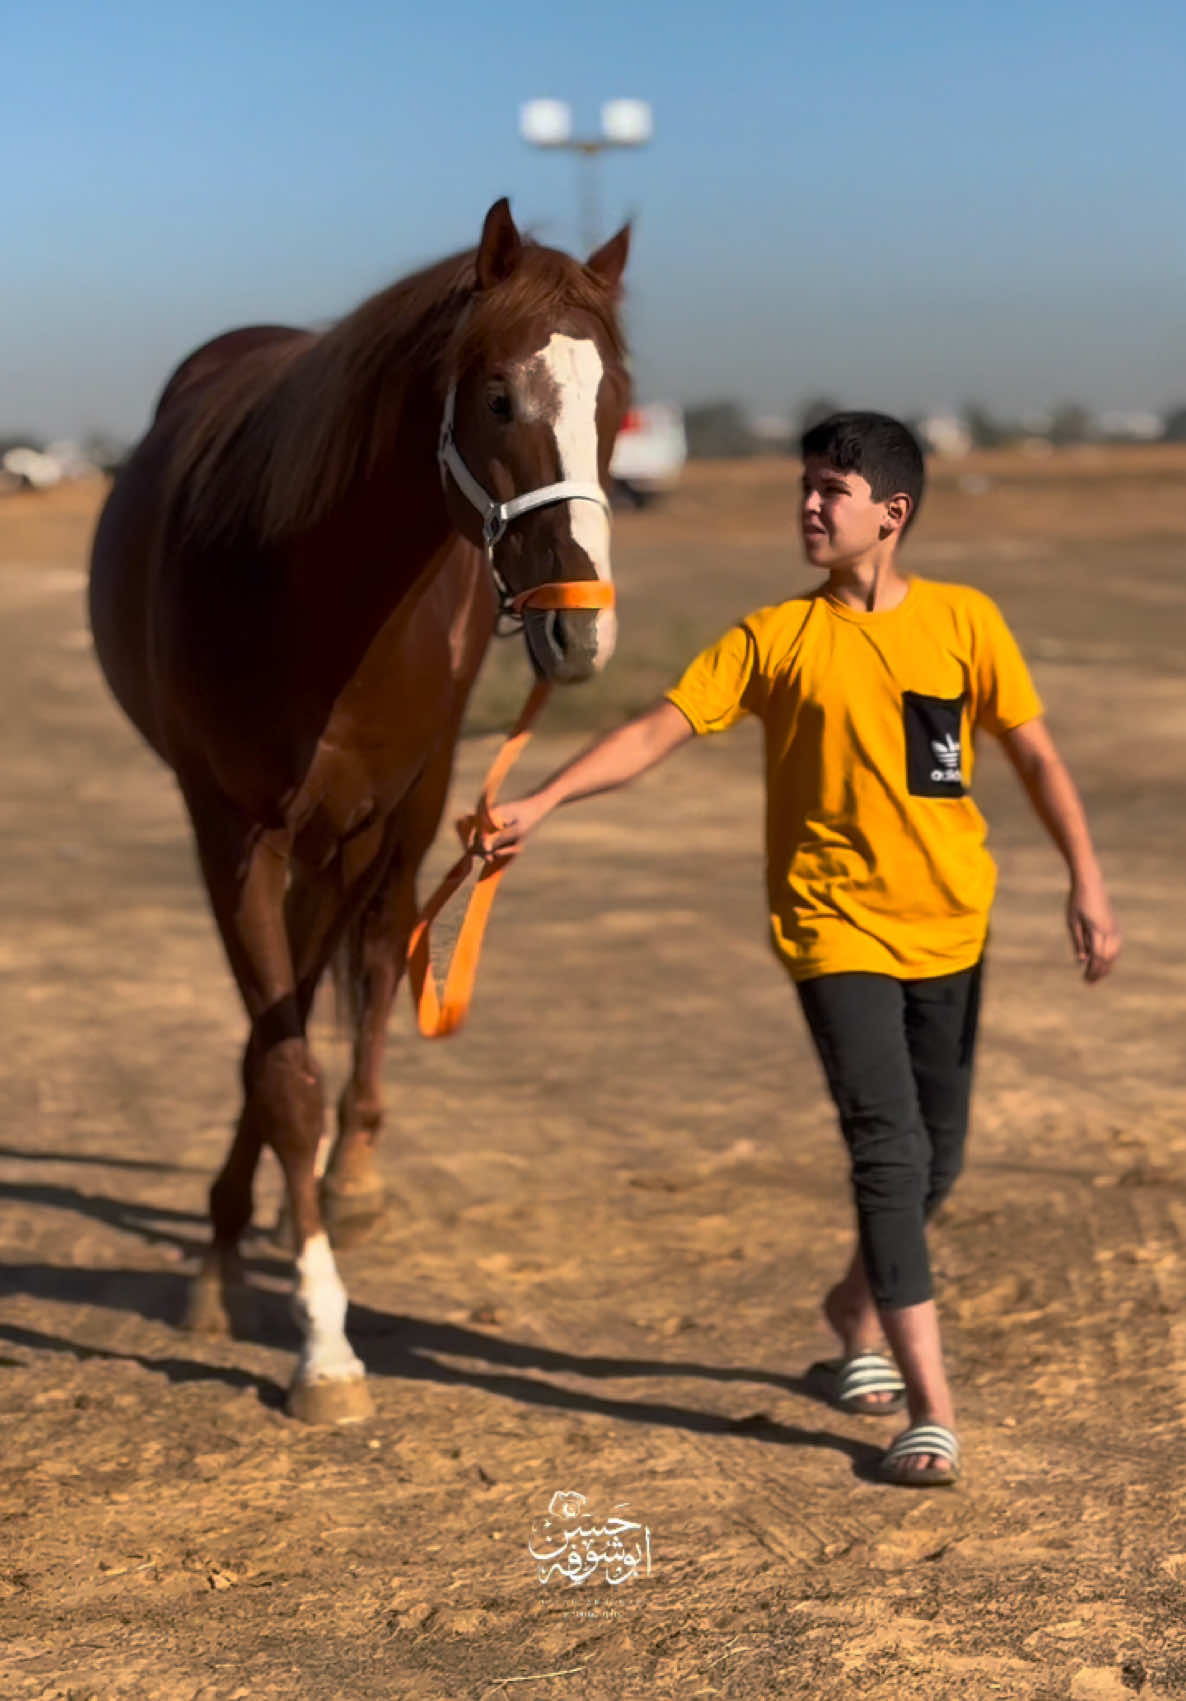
(293, 584)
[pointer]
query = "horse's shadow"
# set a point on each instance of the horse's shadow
(156, 1225)
(175, 1369)
(404, 1348)
(35, 1155)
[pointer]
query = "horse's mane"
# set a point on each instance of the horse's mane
(279, 436)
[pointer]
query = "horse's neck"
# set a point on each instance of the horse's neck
(392, 522)
(390, 533)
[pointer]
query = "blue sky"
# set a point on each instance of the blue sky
(896, 204)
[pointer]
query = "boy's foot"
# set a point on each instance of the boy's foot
(927, 1455)
(853, 1317)
(869, 1385)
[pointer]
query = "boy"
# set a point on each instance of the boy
(869, 689)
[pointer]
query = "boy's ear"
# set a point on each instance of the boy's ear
(897, 511)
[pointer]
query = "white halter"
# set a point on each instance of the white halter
(497, 516)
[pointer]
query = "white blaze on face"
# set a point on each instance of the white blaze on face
(575, 369)
(574, 366)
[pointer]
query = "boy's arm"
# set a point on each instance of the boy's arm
(1095, 936)
(613, 760)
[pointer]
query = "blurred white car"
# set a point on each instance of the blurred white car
(32, 468)
(649, 454)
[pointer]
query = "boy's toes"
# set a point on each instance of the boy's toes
(926, 1466)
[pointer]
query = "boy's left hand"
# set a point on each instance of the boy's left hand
(1095, 937)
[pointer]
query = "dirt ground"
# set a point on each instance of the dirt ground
(617, 1199)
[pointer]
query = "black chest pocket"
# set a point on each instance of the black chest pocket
(934, 756)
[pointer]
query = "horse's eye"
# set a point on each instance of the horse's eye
(499, 403)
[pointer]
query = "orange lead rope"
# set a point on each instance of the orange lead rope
(440, 1013)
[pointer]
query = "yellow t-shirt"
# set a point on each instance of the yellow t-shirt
(875, 852)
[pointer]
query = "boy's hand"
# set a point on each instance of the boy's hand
(513, 822)
(1095, 936)
(610, 761)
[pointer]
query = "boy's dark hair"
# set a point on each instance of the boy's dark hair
(884, 451)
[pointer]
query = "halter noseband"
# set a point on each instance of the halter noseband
(497, 516)
(442, 1010)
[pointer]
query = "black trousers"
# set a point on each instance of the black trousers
(898, 1058)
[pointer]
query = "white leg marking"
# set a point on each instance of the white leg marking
(319, 1304)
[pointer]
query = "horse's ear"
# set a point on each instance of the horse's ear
(500, 247)
(609, 261)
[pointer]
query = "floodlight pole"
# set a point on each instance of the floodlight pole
(588, 150)
(589, 187)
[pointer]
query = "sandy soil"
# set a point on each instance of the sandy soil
(616, 1201)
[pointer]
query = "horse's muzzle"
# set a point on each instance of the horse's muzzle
(568, 645)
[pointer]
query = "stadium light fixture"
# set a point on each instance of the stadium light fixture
(546, 123)
(624, 124)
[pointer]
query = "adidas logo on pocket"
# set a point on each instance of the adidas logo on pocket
(947, 754)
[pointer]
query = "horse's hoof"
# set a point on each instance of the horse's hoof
(220, 1303)
(205, 1311)
(351, 1217)
(344, 1399)
(221, 1310)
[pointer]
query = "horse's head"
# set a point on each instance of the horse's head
(538, 390)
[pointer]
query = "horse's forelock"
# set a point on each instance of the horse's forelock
(544, 289)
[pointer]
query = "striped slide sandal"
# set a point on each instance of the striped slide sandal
(865, 1375)
(921, 1441)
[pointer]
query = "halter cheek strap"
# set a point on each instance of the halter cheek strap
(497, 516)
(440, 1010)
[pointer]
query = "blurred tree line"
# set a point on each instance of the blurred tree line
(725, 430)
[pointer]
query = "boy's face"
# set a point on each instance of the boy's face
(839, 520)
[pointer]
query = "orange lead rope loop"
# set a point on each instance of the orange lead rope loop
(440, 1013)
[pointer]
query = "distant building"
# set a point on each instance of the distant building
(1131, 425)
(944, 434)
(772, 432)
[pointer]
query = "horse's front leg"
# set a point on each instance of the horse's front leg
(353, 1195)
(285, 1094)
(246, 876)
(375, 949)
